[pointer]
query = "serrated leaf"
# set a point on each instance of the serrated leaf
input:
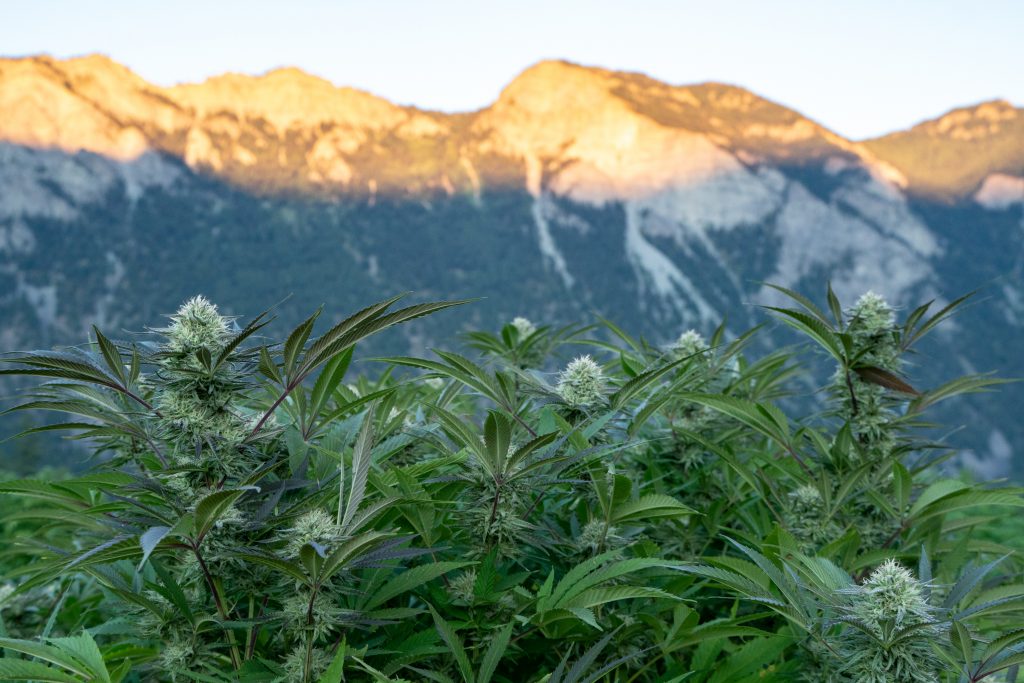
(212, 506)
(650, 506)
(149, 540)
(410, 579)
(22, 670)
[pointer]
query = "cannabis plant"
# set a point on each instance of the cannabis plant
(560, 504)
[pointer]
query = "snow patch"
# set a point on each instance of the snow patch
(996, 462)
(16, 238)
(657, 273)
(51, 183)
(545, 240)
(42, 299)
(856, 256)
(883, 206)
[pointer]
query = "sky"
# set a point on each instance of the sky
(861, 68)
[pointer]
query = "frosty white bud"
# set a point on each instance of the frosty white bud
(524, 327)
(301, 666)
(597, 534)
(434, 383)
(689, 343)
(892, 605)
(892, 594)
(581, 383)
(806, 497)
(807, 518)
(871, 314)
(463, 586)
(177, 655)
(197, 324)
(316, 526)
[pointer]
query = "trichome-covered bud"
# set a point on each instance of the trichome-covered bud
(690, 343)
(315, 527)
(524, 327)
(581, 384)
(892, 594)
(197, 325)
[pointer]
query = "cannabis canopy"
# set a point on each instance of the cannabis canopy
(504, 513)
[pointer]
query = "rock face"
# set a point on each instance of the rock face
(579, 189)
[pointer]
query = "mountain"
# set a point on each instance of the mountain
(578, 190)
(960, 153)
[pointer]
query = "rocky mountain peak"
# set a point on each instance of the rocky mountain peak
(88, 103)
(950, 157)
(286, 98)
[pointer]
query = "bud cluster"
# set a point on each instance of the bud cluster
(582, 383)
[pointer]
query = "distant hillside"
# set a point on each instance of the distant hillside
(578, 190)
(952, 156)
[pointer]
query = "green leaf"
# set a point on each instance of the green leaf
(802, 300)
(970, 384)
(254, 326)
(970, 499)
(149, 541)
(765, 422)
(834, 306)
(84, 649)
(410, 579)
(111, 355)
(329, 379)
(903, 484)
(268, 367)
(335, 672)
(362, 325)
(815, 328)
(489, 663)
(497, 439)
(351, 550)
(47, 653)
(913, 335)
(937, 491)
(214, 505)
(22, 670)
(451, 639)
(361, 460)
(594, 597)
(960, 637)
(284, 566)
(650, 506)
(296, 341)
(642, 382)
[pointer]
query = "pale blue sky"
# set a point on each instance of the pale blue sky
(861, 68)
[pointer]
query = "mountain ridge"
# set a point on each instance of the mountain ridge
(106, 108)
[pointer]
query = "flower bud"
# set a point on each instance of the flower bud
(581, 383)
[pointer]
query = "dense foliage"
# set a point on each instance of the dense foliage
(643, 514)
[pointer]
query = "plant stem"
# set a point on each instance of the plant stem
(854, 407)
(523, 423)
(494, 512)
(218, 602)
(309, 636)
(270, 411)
(254, 633)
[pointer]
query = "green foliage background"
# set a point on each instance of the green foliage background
(647, 513)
